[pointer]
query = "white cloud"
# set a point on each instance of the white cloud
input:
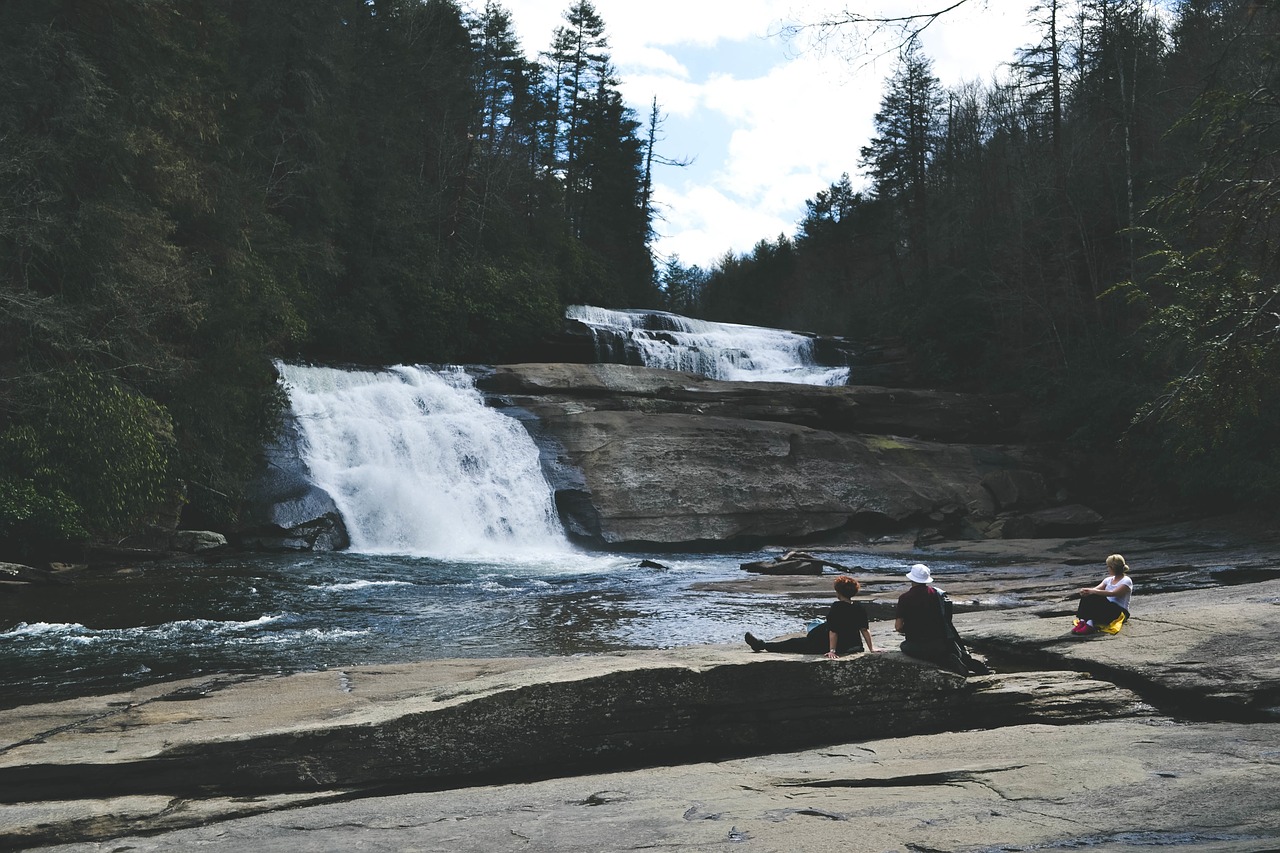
(653, 59)
(676, 95)
(704, 223)
(790, 122)
(629, 24)
(768, 137)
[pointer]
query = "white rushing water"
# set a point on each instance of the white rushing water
(418, 465)
(726, 351)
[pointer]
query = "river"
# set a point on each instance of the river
(456, 547)
(112, 630)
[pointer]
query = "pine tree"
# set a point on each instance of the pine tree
(579, 63)
(502, 189)
(907, 132)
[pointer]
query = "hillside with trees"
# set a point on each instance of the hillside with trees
(192, 188)
(1095, 230)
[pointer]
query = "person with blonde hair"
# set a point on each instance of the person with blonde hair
(842, 632)
(1103, 604)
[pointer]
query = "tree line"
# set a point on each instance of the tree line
(190, 188)
(1095, 229)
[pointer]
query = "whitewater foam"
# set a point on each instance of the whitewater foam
(418, 465)
(726, 351)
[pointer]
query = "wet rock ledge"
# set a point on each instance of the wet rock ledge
(1164, 736)
(448, 724)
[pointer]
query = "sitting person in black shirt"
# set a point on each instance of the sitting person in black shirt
(924, 624)
(843, 631)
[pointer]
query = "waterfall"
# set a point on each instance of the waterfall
(417, 464)
(718, 350)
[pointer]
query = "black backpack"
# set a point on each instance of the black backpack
(975, 666)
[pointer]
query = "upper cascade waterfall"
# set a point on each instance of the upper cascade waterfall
(417, 464)
(718, 350)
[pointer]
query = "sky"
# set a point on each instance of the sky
(766, 122)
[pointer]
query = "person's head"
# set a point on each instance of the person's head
(1117, 566)
(920, 574)
(847, 587)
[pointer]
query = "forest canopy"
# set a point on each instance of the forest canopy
(1095, 229)
(190, 189)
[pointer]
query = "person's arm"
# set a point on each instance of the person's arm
(866, 641)
(897, 624)
(833, 640)
(1100, 589)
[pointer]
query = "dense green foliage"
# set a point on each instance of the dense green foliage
(106, 445)
(190, 188)
(1098, 230)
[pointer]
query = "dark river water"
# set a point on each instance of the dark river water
(417, 463)
(265, 614)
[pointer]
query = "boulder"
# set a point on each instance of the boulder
(932, 415)
(642, 456)
(156, 543)
(675, 478)
(1069, 520)
(326, 532)
(425, 726)
(792, 563)
(1016, 488)
(195, 541)
(285, 511)
(19, 573)
(784, 567)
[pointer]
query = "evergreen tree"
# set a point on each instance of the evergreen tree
(828, 209)
(105, 132)
(615, 221)
(682, 287)
(506, 132)
(907, 133)
(1214, 299)
(600, 165)
(579, 62)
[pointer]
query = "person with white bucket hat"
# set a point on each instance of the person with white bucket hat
(922, 620)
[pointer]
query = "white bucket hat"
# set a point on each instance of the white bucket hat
(920, 574)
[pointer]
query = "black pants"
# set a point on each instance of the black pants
(1102, 610)
(816, 642)
(944, 653)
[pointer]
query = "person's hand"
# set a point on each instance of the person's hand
(832, 656)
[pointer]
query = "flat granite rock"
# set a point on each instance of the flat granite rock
(72, 770)
(1117, 786)
(1214, 651)
(1163, 736)
(641, 455)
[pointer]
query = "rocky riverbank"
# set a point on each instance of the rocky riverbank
(1167, 734)
(643, 458)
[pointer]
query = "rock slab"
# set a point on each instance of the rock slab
(1211, 652)
(235, 741)
(640, 456)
